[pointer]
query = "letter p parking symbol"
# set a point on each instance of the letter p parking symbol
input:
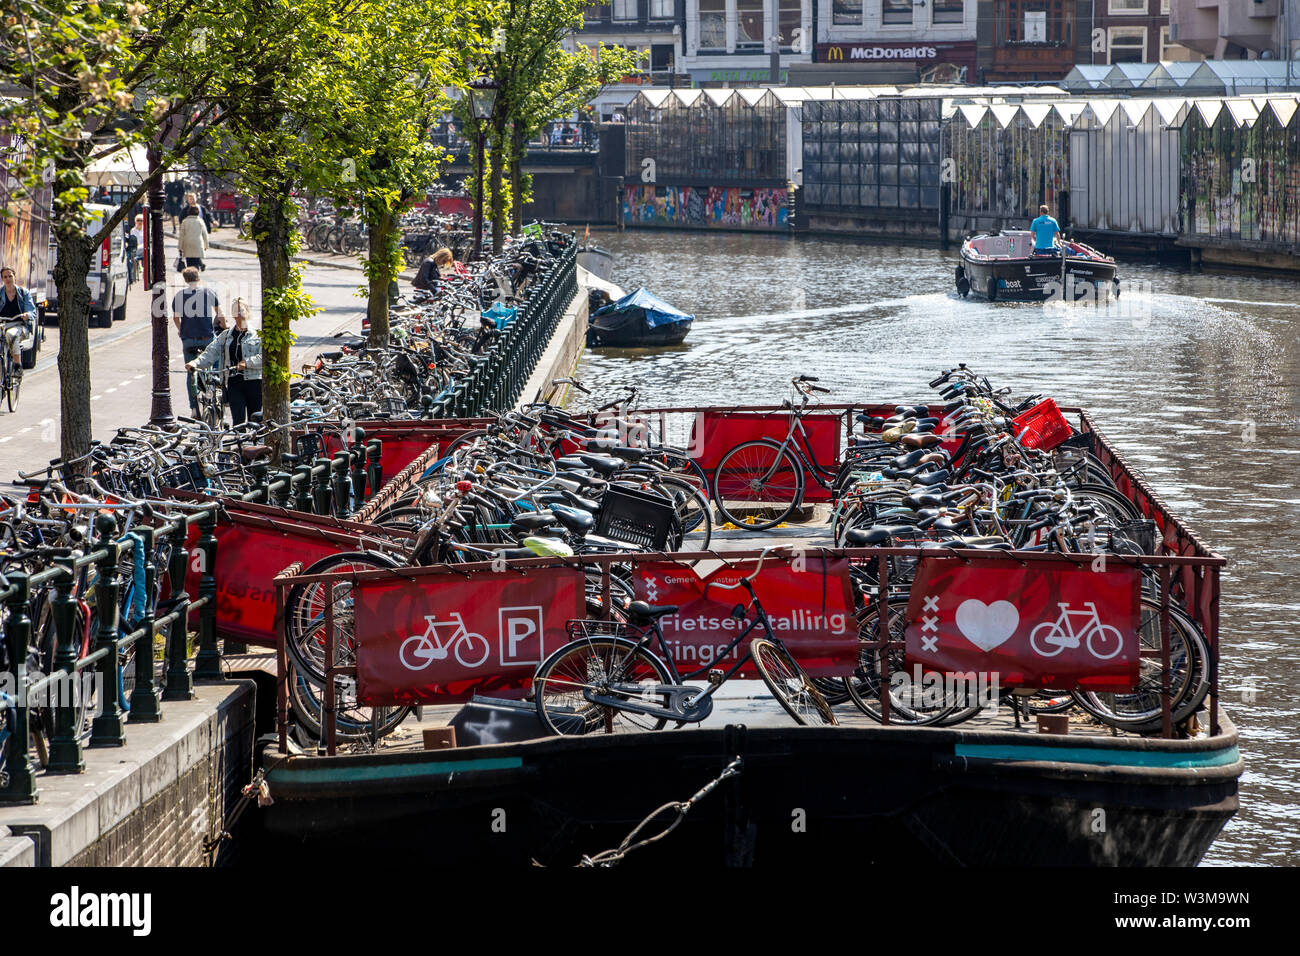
(520, 633)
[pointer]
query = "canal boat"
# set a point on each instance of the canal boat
(638, 320)
(599, 262)
(1042, 794)
(1003, 266)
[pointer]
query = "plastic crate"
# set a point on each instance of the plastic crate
(635, 517)
(1042, 427)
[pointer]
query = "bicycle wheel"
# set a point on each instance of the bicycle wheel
(790, 684)
(15, 385)
(304, 608)
(603, 665)
(1138, 710)
(1109, 501)
(353, 723)
(907, 702)
(692, 509)
(763, 475)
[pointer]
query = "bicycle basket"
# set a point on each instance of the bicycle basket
(1042, 427)
(634, 517)
(588, 630)
(1141, 531)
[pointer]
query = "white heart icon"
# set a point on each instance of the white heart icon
(987, 625)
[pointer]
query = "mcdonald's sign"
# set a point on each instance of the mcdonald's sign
(911, 52)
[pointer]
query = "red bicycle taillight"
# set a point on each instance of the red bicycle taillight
(464, 486)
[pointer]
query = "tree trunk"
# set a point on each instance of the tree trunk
(382, 227)
(499, 154)
(271, 227)
(70, 277)
(516, 180)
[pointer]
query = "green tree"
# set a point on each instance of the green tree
(399, 81)
(86, 83)
(539, 82)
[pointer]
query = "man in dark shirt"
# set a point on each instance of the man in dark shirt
(196, 310)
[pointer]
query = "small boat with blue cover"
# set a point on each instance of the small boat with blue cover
(638, 320)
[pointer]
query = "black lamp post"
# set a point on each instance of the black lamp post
(482, 100)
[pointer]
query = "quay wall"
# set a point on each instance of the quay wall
(150, 803)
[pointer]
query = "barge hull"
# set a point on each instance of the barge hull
(805, 795)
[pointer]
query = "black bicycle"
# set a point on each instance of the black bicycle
(608, 678)
(759, 483)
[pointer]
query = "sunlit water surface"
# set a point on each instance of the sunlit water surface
(1195, 376)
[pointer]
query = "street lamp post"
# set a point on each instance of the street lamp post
(156, 277)
(482, 100)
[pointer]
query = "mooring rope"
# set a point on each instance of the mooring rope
(678, 807)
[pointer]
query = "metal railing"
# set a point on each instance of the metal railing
(497, 381)
(108, 729)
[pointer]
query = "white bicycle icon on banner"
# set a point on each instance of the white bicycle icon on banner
(1051, 637)
(420, 650)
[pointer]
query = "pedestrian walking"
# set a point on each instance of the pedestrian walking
(135, 249)
(237, 354)
(193, 239)
(196, 310)
(173, 200)
(193, 207)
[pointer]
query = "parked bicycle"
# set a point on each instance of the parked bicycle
(611, 679)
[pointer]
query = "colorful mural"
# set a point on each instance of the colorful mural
(722, 207)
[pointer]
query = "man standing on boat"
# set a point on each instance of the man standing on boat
(1045, 230)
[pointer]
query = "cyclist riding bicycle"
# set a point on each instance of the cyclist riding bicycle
(18, 315)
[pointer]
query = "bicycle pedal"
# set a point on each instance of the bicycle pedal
(717, 676)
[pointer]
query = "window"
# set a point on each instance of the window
(713, 24)
(624, 9)
(749, 23)
(661, 58)
(1035, 26)
(1059, 19)
(1164, 7)
(1168, 49)
(949, 11)
(846, 13)
(661, 9)
(896, 11)
(596, 12)
(789, 14)
(1127, 45)
(1128, 8)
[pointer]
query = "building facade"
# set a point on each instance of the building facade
(652, 26)
(1237, 29)
(894, 41)
(731, 42)
(1132, 31)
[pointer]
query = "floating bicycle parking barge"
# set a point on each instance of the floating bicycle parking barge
(992, 791)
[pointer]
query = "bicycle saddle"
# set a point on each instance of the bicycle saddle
(605, 466)
(534, 520)
(643, 611)
(920, 440)
(869, 537)
(982, 543)
(579, 522)
(627, 453)
(931, 478)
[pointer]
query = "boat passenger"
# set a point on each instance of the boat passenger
(1045, 230)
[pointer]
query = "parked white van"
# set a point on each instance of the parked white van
(107, 277)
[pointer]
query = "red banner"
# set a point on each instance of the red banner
(1041, 624)
(446, 637)
(713, 434)
(808, 601)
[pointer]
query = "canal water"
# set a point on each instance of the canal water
(1196, 377)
